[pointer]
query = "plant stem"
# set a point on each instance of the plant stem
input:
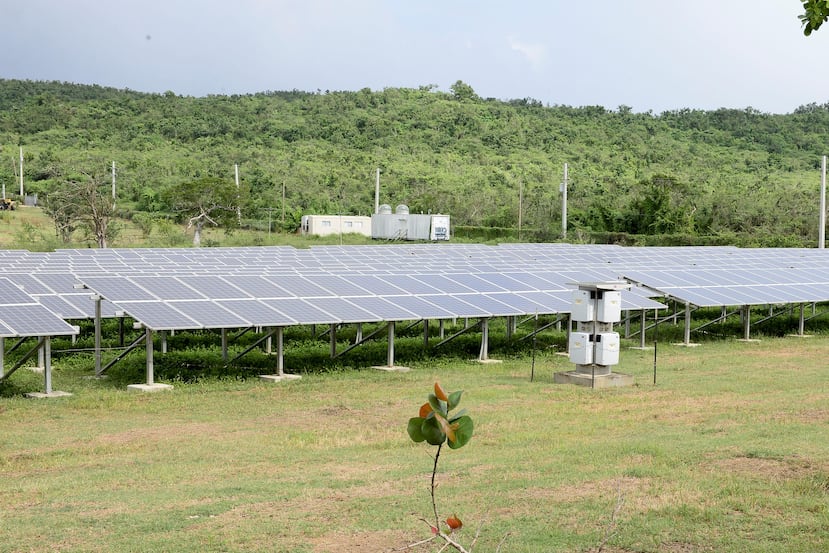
(434, 504)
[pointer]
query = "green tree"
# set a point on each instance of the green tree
(84, 202)
(815, 14)
(207, 200)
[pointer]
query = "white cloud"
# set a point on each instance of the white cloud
(536, 54)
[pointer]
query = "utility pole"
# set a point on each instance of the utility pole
(283, 208)
(238, 198)
(520, 206)
(113, 183)
(22, 197)
(564, 205)
(377, 192)
(821, 240)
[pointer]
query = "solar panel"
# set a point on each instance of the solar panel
(117, 288)
(491, 305)
(60, 307)
(30, 284)
(58, 282)
(339, 286)
(84, 304)
(345, 311)
(11, 294)
(34, 320)
(157, 315)
(301, 311)
(259, 287)
(455, 305)
(215, 287)
(300, 286)
(409, 284)
(476, 283)
(375, 284)
(422, 308)
(167, 288)
(521, 304)
(209, 314)
(444, 283)
(257, 312)
(385, 309)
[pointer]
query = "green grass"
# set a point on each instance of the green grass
(726, 453)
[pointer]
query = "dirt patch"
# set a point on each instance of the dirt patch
(359, 542)
(765, 467)
(639, 495)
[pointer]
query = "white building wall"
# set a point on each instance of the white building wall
(324, 225)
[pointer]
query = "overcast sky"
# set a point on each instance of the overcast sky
(647, 54)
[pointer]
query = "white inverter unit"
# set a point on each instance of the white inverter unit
(583, 306)
(609, 306)
(581, 348)
(606, 348)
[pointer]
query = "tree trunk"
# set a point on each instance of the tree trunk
(197, 233)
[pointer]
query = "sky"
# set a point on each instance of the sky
(649, 55)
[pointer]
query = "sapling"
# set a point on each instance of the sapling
(436, 424)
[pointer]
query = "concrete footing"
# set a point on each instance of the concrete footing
(800, 335)
(278, 377)
(149, 387)
(646, 348)
(392, 368)
(612, 380)
(43, 395)
(749, 340)
(489, 361)
(684, 345)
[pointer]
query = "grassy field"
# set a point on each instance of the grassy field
(727, 453)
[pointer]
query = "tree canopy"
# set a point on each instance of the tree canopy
(711, 176)
(815, 14)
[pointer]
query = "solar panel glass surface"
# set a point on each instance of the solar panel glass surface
(257, 312)
(259, 287)
(11, 294)
(215, 287)
(385, 309)
(209, 314)
(345, 311)
(158, 315)
(60, 307)
(34, 320)
(117, 288)
(301, 311)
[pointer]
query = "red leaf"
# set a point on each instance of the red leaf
(439, 393)
(454, 522)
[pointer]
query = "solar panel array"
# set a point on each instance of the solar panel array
(172, 288)
(22, 316)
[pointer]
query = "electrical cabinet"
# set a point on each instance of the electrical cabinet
(609, 306)
(584, 306)
(606, 348)
(581, 348)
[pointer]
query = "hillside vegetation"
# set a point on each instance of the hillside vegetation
(687, 176)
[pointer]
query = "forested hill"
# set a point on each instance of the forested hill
(706, 176)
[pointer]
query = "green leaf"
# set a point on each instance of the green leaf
(457, 415)
(431, 431)
(414, 429)
(463, 432)
(455, 399)
(437, 404)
